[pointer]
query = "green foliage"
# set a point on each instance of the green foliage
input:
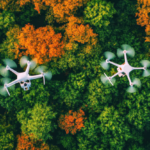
(115, 119)
(7, 136)
(38, 121)
(7, 19)
(112, 122)
(26, 14)
(54, 147)
(49, 17)
(98, 95)
(88, 138)
(72, 89)
(99, 12)
(68, 142)
(8, 45)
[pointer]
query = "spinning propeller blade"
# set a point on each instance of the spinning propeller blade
(105, 80)
(8, 62)
(146, 64)
(129, 49)
(108, 55)
(137, 82)
(40, 69)
(119, 52)
(33, 64)
(3, 71)
(23, 61)
(48, 75)
(131, 89)
(5, 80)
(3, 90)
(105, 65)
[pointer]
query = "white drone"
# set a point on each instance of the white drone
(125, 68)
(23, 78)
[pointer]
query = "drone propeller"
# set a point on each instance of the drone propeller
(3, 90)
(136, 82)
(131, 89)
(8, 62)
(24, 60)
(108, 55)
(119, 52)
(41, 69)
(128, 48)
(105, 80)
(146, 64)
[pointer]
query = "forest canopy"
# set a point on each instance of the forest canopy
(74, 110)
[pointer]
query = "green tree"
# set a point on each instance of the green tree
(7, 19)
(26, 15)
(89, 137)
(114, 126)
(7, 136)
(68, 142)
(7, 47)
(99, 12)
(38, 121)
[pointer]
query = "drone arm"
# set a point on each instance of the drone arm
(35, 77)
(129, 79)
(12, 83)
(108, 78)
(113, 63)
(7, 90)
(28, 67)
(134, 68)
(13, 71)
(125, 57)
(115, 74)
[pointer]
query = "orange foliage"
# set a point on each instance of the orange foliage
(41, 43)
(143, 16)
(60, 7)
(145, 2)
(67, 7)
(26, 143)
(72, 122)
(9, 5)
(75, 31)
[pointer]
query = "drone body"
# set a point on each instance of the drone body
(24, 78)
(125, 68)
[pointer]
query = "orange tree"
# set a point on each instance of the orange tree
(25, 142)
(61, 8)
(75, 31)
(143, 14)
(41, 43)
(72, 121)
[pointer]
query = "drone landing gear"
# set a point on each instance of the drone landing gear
(7, 90)
(108, 78)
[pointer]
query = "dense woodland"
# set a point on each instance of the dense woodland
(75, 110)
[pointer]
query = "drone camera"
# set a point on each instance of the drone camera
(26, 88)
